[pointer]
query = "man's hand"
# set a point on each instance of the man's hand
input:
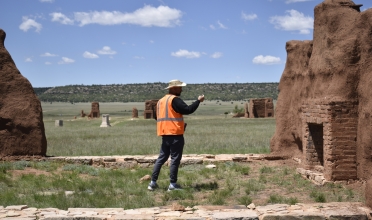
(201, 98)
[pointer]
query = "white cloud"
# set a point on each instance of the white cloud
(294, 1)
(221, 25)
(48, 63)
(106, 51)
(89, 55)
(48, 55)
(249, 17)
(216, 55)
(61, 18)
(138, 57)
(267, 60)
(66, 60)
(294, 21)
(148, 16)
(186, 54)
(28, 59)
(151, 41)
(50, 1)
(29, 23)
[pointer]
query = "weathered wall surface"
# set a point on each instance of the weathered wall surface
(21, 119)
(287, 138)
(364, 138)
(335, 66)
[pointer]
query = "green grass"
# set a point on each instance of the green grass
(94, 187)
(208, 131)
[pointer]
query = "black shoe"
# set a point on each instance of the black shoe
(174, 187)
(152, 186)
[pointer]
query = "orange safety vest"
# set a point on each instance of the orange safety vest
(169, 122)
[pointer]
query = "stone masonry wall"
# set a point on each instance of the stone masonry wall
(338, 122)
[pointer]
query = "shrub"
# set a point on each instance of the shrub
(318, 196)
(20, 165)
(245, 200)
(275, 198)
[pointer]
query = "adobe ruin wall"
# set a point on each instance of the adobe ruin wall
(334, 67)
(261, 108)
(22, 129)
(150, 109)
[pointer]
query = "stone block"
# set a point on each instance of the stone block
(302, 216)
(58, 123)
(16, 207)
(133, 217)
(233, 214)
(79, 160)
(105, 121)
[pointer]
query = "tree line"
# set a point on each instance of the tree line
(147, 91)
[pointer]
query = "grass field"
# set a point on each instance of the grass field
(209, 130)
(45, 184)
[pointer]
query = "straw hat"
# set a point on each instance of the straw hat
(175, 83)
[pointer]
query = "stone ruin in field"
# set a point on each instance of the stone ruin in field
(150, 109)
(324, 107)
(246, 110)
(94, 112)
(257, 108)
(261, 108)
(21, 118)
(134, 113)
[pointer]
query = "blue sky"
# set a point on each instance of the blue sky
(64, 42)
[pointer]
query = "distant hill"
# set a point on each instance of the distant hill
(146, 91)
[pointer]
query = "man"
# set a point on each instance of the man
(170, 125)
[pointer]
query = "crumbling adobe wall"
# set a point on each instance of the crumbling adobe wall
(21, 119)
(287, 138)
(261, 108)
(150, 109)
(335, 66)
(134, 112)
(94, 112)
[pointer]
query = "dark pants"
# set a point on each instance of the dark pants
(171, 145)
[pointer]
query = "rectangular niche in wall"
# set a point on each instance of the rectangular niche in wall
(314, 147)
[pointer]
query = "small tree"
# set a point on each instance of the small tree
(238, 110)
